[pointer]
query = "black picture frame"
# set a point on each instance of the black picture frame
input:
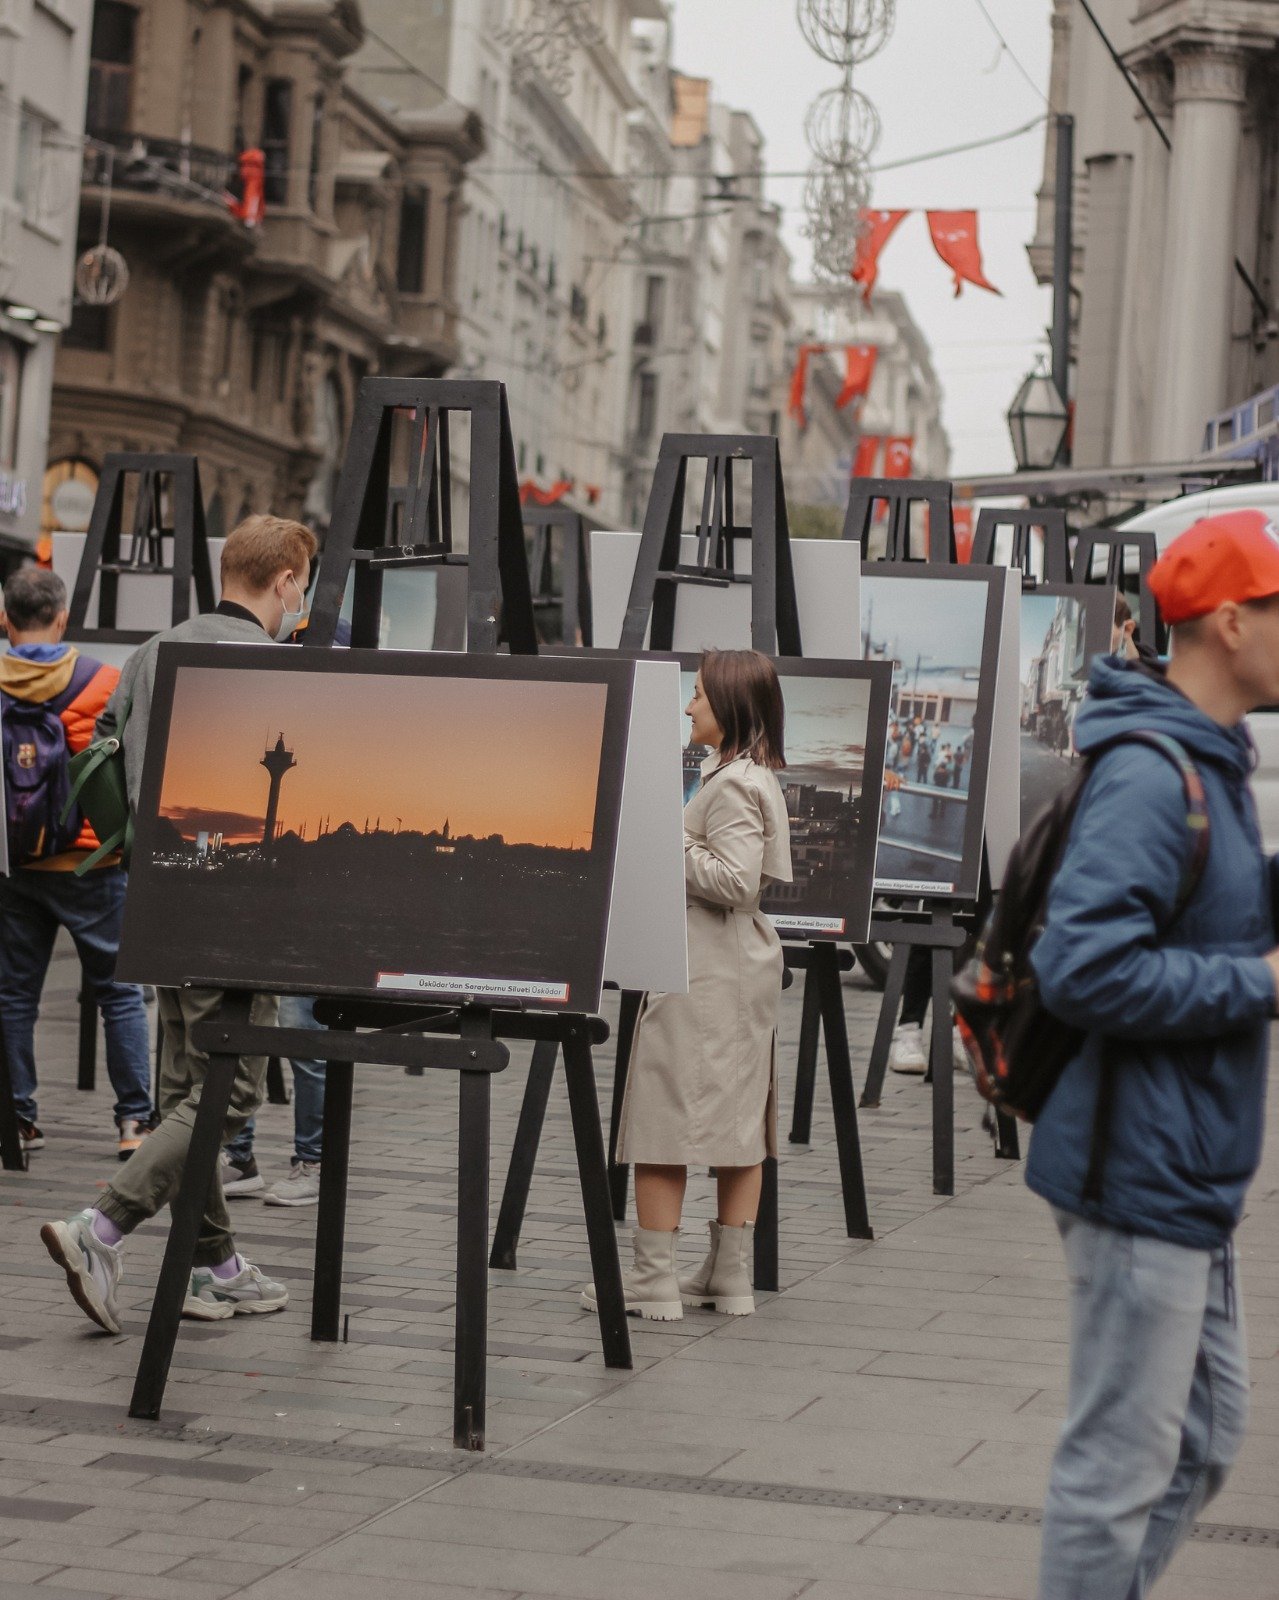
(337, 943)
(1098, 603)
(855, 909)
(965, 879)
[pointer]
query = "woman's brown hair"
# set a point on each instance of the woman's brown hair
(746, 700)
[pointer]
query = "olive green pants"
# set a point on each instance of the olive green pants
(150, 1178)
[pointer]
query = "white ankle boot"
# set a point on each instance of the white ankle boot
(652, 1290)
(723, 1281)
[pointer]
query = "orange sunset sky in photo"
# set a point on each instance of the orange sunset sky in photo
(490, 755)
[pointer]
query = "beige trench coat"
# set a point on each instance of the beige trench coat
(702, 1083)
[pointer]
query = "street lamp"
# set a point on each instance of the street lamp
(1038, 421)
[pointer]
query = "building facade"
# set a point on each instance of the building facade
(44, 57)
(548, 213)
(1177, 248)
(904, 401)
(246, 344)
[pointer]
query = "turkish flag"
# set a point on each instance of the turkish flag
(955, 240)
(898, 456)
(248, 205)
(859, 369)
(964, 532)
(799, 382)
(867, 450)
(878, 228)
(544, 497)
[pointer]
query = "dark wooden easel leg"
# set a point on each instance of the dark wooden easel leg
(330, 1220)
(13, 1158)
(943, 1068)
(606, 1268)
(801, 1125)
(889, 1011)
(188, 1207)
(619, 1174)
(766, 1229)
(519, 1174)
(825, 967)
(1007, 1139)
(470, 1355)
(277, 1092)
(87, 1051)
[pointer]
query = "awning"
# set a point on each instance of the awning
(1077, 483)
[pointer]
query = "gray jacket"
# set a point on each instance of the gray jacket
(137, 678)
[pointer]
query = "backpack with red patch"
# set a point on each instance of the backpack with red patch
(1016, 1048)
(37, 783)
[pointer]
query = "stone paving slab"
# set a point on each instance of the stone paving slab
(856, 1437)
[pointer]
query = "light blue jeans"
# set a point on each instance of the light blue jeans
(1156, 1411)
(296, 1011)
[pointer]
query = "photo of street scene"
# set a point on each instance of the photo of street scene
(933, 631)
(438, 833)
(831, 782)
(1061, 632)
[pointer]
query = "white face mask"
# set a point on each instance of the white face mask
(291, 619)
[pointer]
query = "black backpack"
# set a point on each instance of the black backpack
(1017, 1049)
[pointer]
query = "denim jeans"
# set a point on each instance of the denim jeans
(296, 1011)
(1157, 1406)
(33, 906)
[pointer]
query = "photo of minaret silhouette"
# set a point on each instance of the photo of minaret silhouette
(426, 818)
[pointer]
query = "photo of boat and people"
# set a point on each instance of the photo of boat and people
(932, 634)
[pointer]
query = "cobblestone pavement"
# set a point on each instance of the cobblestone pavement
(880, 1430)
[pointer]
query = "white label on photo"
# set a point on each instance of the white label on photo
(496, 988)
(913, 886)
(808, 924)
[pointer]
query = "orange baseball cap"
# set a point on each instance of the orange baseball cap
(1234, 556)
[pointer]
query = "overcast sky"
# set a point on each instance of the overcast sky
(941, 80)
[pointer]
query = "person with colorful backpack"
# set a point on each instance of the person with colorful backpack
(1156, 958)
(50, 697)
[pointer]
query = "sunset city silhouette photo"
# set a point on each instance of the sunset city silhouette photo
(372, 830)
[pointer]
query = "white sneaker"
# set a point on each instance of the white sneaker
(300, 1186)
(909, 1052)
(210, 1298)
(93, 1269)
(960, 1051)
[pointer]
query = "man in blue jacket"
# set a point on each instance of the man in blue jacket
(1178, 1007)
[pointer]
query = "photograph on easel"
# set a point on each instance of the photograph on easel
(940, 631)
(1064, 627)
(382, 823)
(836, 716)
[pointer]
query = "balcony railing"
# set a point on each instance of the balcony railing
(157, 166)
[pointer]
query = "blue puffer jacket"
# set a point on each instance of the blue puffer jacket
(1185, 1008)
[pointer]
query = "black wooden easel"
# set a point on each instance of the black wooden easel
(167, 505)
(939, 928)
(659, 571)
(1049, 521)
(548, 526)
(499, 601)
(13, 1158)
(897, 496)
(475, 1053)
(1116, 544)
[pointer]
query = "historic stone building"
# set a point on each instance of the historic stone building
(1169, 330)
(246, 344)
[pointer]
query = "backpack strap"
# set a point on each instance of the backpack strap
(83, 671)
(1191, 876)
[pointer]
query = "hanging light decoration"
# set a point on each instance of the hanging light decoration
(845, 32)
(102, 273)
(842, 128)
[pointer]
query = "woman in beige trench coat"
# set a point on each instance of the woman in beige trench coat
(701, 1090)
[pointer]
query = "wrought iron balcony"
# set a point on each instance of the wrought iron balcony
(140, 162)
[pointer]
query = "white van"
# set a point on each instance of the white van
(1166, 522)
